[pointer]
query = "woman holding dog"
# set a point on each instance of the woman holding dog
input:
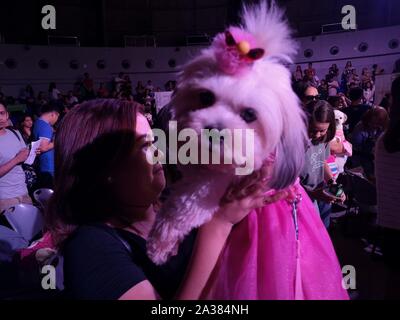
(104, 207)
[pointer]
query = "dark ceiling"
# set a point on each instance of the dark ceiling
(106, 22)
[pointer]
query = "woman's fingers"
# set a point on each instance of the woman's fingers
(260, 200)
(276, 197)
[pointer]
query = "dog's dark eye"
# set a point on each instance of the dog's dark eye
(249, 115)
(207, 98)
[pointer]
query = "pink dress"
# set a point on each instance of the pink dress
(262, 259)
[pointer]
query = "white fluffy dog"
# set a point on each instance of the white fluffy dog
(240, 82)
(340, 159)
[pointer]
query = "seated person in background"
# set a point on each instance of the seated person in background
(334, 70)
(306, 93)
(25, 128)
(298, 74)
(376, 71)
(364, 138)
(150, 86)
(53, 91)
(356, 109)
(71, 99)
(88, 86)
(102, 92)
(323, 90)
(369, 93)
(310, 70)
(333, 85)
(338, 102)
(43, 130)
(316, 172)
(348, 70)
(386, 101)
(13, 153)
(365, 76)
(118, 82)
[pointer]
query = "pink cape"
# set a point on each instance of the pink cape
(259, 261)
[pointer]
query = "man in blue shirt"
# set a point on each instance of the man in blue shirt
(43, 130)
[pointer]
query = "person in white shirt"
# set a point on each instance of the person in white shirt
(333, 86)
(54, 93)
(369, 93)
(119, 81)
(13, 153)
(71, 99)
(150, 86)
(298, 74)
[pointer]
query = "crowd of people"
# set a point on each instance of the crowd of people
(353, 96)
(345, 124)
(336, 84)
(120, 87)
(348, 130)
(41, 119)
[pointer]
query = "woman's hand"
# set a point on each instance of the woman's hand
(321, 195)
(240, 199)
(22, 155)
(336, 146)
(244, 196)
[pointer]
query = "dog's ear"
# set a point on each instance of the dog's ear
(290, 151)
(344, 118)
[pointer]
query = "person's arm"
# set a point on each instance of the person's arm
(45, 134)
(46, 145)
(336, 146)
(19, 158)
(327, 173)
(142, 291)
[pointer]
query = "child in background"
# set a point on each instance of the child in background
(316, 172)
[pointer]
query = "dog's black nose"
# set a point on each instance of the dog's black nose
(216, 126)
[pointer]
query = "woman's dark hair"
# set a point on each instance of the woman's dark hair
(23, 117)
(4, 104)
(322, 112)
(385, 102)
(300, 88)
(333, 101)
(392, 136)
(91, 143)
(356, 93)
(378, 114)
(50, 107)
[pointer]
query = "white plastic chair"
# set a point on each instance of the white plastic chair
(42, 196)
(25, 219)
